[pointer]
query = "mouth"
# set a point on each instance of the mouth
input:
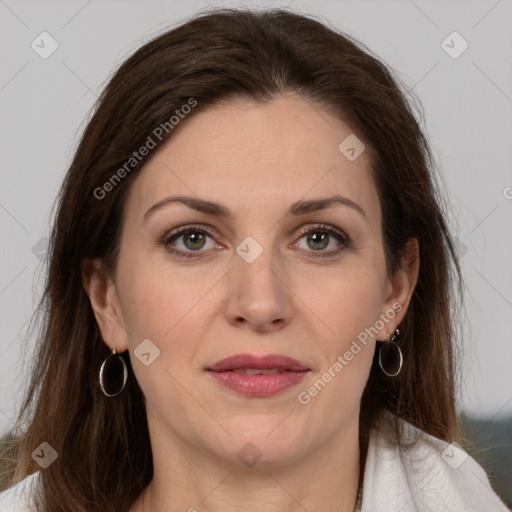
(257, 376)
(249, 364)
(259, 371)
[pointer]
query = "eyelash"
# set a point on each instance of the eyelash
(198, 228)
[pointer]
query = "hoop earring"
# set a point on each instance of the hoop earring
(107, 381)
(392, 357)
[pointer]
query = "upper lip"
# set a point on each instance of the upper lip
(270, 361)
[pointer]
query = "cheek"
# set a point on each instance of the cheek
(335, 390)
(155, 301)
(349, 309)
(346, 301)
(161, 305)
(168, 306)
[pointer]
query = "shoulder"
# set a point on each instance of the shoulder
(18, 498)
(424, 474)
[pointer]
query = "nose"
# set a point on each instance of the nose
(259, 298)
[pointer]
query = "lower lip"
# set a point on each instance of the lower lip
(258, 385)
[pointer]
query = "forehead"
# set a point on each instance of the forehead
(252, 155)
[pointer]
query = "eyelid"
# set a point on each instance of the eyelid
(186, 228)
(324, 227)
(177, 232)
(343, 239)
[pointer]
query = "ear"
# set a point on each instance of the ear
(400, 288)
(105, 304)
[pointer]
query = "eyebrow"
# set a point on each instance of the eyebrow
(212, 208)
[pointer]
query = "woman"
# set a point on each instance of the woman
(249, 293)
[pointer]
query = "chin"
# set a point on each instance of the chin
(263, 448)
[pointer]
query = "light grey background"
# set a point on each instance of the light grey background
(467, 103)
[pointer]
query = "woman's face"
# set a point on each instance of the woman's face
(251, 280)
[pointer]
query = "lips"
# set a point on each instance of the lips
(258, 376)
(249, 364)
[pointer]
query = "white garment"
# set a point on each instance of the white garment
(432, 476)
(16, 499)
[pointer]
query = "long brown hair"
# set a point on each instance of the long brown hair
(216, 56)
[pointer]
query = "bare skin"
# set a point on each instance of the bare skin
(255, 160)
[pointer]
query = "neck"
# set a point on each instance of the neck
(187, 478)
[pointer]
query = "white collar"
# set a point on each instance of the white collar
(430, 476)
